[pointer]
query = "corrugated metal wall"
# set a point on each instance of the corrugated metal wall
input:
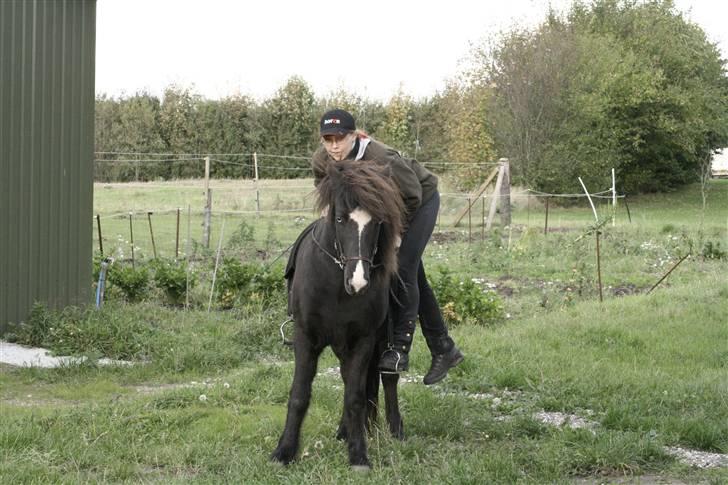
(47, 62)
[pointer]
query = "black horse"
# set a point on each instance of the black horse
(339, 295)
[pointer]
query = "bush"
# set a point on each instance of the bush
(463, 300)
(241, 283)
(712, 250)
(171, 277)
(133, 282)
(35, 331)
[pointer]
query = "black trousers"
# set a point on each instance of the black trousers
(416, 297)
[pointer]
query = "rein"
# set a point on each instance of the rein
(342, 259)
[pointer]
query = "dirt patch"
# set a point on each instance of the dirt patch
(24, 356)
(30, 402)
(698, 459)
(571, 421)
(447, 237)
(632, 480)
(625, 290)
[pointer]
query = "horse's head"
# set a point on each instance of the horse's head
(365, 209)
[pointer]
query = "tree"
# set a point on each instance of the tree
(614, 84)
(396, 130)
(289, 120)
(128, 125)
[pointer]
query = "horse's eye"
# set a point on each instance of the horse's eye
(339, 219)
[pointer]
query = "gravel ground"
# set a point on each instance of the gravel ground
(22, 356)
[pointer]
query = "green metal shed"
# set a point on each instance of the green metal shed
(47, 62)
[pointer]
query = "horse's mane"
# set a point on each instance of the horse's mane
(368, 185)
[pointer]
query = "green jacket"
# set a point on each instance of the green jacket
(416, 183)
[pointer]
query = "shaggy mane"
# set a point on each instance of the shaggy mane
(368, 185)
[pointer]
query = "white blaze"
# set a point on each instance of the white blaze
(357, 279)
(362, 218)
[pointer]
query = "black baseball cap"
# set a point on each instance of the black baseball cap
(337, 122)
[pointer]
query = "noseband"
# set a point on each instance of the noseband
(341, 259)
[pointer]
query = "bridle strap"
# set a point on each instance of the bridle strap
(334, 258)
(342, 259)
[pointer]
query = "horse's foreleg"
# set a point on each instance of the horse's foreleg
(300, 396)
(372, 391)
(354, 371)
(372, 399)
(391, 405)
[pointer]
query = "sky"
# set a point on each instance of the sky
(220, 48)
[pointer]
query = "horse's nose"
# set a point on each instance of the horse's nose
(358, 281)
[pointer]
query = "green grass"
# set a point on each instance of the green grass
(286, 209)
(649, 370)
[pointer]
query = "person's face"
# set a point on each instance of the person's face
(338, 146)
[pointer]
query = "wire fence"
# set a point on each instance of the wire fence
(159, 231)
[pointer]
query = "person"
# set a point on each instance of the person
(340, 140)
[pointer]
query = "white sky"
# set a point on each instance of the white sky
(223, 47)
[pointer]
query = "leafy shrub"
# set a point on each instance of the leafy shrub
(239, 282)
(233, 279)
(106, 332)
(712, 250)
(242, 237)
(133, 282)
(35, 331)
(171, 277)
(463, 300)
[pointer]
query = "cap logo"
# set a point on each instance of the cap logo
(335, 121)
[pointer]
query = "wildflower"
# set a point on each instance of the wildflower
(202, 398)
(226, 385)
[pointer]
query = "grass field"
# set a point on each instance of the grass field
(636, 374)
(285, 208)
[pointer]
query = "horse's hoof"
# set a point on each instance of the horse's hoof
(341, 434)
(281, 457)
(361, 468)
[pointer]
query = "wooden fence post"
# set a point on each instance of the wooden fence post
(614, 199)
(470, 223)
(257, 188)
(151, 233)
(206, 220)
(176, 240)
(131, 235)
(629, 214)
(474, 195)
(101, 243)
(505, 193)
(496, 196)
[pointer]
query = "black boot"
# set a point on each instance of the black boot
(445, 356)
(395, 358)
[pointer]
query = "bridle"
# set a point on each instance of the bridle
(340, 258)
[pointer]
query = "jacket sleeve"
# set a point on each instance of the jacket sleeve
(409, 184)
